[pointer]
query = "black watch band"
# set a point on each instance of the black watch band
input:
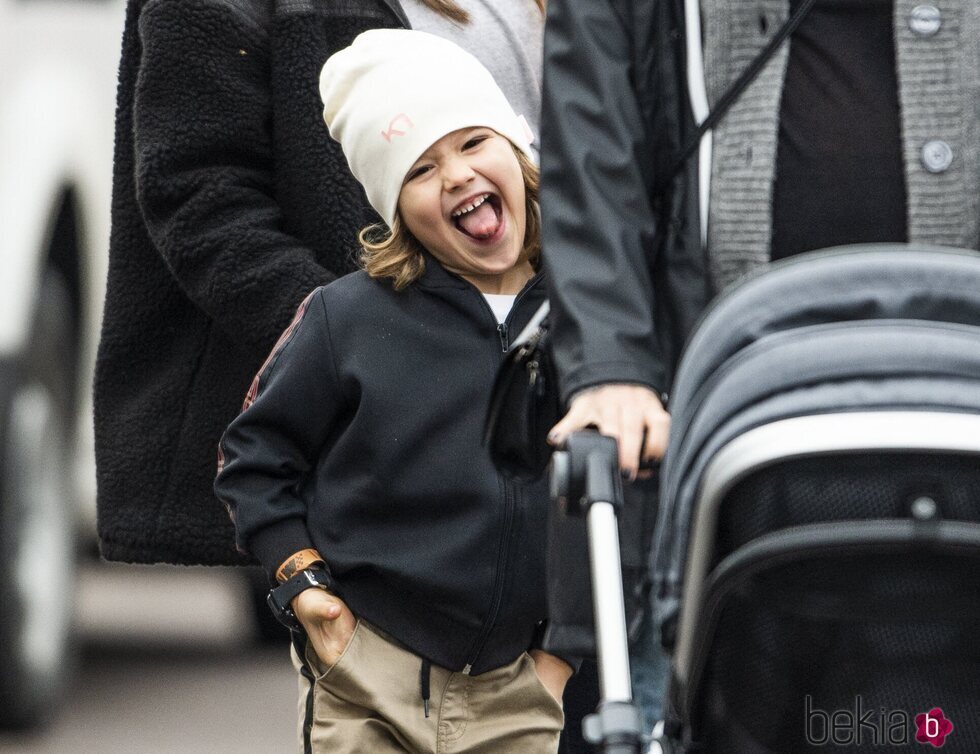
(280, 597)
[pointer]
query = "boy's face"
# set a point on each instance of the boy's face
(464, 201)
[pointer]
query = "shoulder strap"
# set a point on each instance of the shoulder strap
(733, 92)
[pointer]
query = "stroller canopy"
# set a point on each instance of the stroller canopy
(859, 328)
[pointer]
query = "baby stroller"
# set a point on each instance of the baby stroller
(817, 565)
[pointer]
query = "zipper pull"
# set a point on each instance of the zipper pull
(504, 337)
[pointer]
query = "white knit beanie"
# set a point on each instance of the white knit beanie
(394, 92)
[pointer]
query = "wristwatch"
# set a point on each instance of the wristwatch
(280, 597)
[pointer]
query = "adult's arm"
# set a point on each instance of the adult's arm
(598, 227)
(205, 167)
(597, 219)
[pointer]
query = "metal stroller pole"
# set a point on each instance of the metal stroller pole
(607, 601)
(585, 481)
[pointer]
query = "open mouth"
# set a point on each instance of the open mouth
(479, 217)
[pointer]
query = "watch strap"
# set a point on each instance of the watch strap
(281, 597)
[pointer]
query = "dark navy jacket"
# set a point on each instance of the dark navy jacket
(362, 438)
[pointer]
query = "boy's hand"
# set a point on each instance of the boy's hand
(553, 672)
(328, 622)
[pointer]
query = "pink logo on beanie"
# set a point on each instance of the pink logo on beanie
(392, 131)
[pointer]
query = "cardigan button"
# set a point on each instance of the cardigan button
(936, 156)
(925, 20)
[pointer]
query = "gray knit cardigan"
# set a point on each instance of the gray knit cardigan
(939, 96)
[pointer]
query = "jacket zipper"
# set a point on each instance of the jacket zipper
(503, 559)
(504, 327)
(503, 548)
(504, 337)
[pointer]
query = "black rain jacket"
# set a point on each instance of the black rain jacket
(626, 273)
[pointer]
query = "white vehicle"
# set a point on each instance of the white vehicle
(58, 72)
(58, 62)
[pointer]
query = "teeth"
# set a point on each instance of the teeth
(470, 207)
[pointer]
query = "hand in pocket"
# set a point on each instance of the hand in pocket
(329, 623)
(552, 671)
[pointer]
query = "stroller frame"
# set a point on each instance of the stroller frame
(798, 437)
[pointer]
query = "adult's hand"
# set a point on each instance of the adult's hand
(328, 622)
(629, 413)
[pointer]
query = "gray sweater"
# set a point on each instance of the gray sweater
(506, 36)
(939, 95)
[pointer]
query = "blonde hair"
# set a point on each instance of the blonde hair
(396, 254)
(449, 9)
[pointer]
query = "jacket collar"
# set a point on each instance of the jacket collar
(437, 276)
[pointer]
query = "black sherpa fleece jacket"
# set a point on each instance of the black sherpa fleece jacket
(230, 204)
(362, 438)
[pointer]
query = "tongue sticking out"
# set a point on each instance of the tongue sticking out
(481, 222)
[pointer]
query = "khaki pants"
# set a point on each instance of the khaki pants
(370, 702)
